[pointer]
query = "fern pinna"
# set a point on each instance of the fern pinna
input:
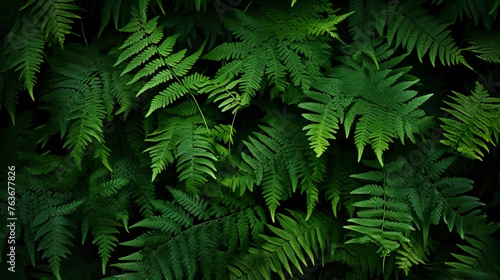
(250, 139)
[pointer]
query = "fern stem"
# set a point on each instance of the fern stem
(201, 112)
(244, 11)
(232, 126)
(192, 96)
(83, 33)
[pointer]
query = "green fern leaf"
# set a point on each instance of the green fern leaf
(25, 49)
(485, 45)
(416, 28)
(56, 17)
(412, 253)
(185, 140)
(176, 90)
(79, 98)
(325, 119)
(53, 234)
(147, 49)
(269, 50)
(9, 97)
(480, 259)
(477, 118)
(104, 224)
(293, 244)
(381, 97)
(278, 158)
(385, 219)
(212, 243)
(482, 10)
(194, 206)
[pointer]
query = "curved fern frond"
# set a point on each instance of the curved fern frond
(184, 139)
(176, 90)
(24, 48)
(294, 244)
(326, 113)
(381, 96)
(103, 217)
(485, 11)
(279, 157)
(56, 17)
(415, 28)
(480, 259)
(214, 239)
(477, 118)
(9, 98)
(53, 234)
(147, 49)
(412, 253)
(112, 9)
(417, 195)
(338, 183)
(83, 96)
(486, 45)
(141, 191)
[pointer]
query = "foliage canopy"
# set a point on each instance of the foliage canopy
(251, 139)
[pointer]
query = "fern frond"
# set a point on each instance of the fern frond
(431, 196)
(412, 253)
(193, 205)
(185, 140)
(324, 117)
(477, 117)
(269, 51)
(482, 10)
(91, 111)
(418, 196)
(480, 259)
(176, 90)
(24, 48)
(9, 98)
(106, 188)
(338, 183)
(56, 17)
(53, 234)
(485, 45)
(238, 177)
(295, 243)
(415, 28)
(147, 48)
(111, 8)
(385, 219)
(278, 157)
(381, 97)
(80, 100)
(102, 217)
(212, 243)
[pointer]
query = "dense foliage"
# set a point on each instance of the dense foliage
(251, 139)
